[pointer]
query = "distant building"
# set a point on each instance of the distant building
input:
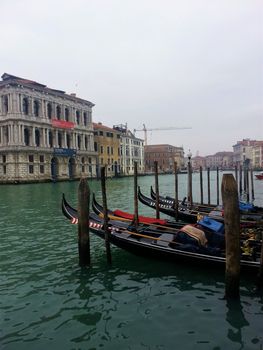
(165, 155)
(243, 150)
(257, 155)
(45, 134)
(197, 162)
(107, 144)
(131, 150)
(222, 160)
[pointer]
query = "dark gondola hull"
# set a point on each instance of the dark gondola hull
(164, 253)
(191, 215)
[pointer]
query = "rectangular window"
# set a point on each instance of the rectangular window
(101, 149)
(42, 169)
(83, 168)
(31, 158)
(41, 159)
(4, 169)
(108, 150)
(101, 133)
(4, 158)
(31, 169)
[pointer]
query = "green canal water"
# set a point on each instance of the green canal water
(48, 302)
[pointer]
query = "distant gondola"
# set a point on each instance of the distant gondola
(190, 215)
(245, 208)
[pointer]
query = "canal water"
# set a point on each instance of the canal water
(48, 302)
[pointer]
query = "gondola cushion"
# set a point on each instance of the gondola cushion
(211, 224)
(192, 235)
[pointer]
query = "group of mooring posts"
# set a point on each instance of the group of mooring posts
(230, 199)
(241, 174)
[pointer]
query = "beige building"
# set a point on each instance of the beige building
(107, 144)
(45, 134)
(131, 151)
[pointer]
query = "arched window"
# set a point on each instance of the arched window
(37, 137)
(26, 137)
(68, 141)
(25, 105)
(36, 108)
(49, 110)
(67, 114)
(50, 138)
(79, 141)
(60, 140)
(5, 104)
(85, 121)
(58, 112)
(77, 117)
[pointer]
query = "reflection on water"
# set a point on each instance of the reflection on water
(47, 301)
(235, 317)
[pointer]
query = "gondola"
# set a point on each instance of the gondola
(192, 215)
(245, 208)
(122, 215)
(176, 247)
(169, 201)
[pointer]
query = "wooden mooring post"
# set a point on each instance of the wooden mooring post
(105, 216)
(240, 180)
(176, 191)
(208, 185)
(156, 189)
(232, 235)
(189, 187)
(83, 223)
(201, 186)
(236, 174)
(136, 215)
(217, 186)
(252, 184)
(260, 272)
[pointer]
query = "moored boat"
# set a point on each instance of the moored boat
(259, 176)
(192, 215)
(184, 245)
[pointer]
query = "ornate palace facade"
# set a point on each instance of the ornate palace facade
(45, 134)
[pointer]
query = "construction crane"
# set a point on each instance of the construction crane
(154, 129)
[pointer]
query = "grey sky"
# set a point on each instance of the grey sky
(162, 63)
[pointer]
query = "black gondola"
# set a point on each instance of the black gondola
(245, 208)
(187, 214)
(161, 245)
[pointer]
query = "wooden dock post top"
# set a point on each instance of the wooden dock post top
(229, 185)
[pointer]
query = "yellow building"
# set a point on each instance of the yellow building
(107, 144)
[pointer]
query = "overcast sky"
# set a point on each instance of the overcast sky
(180, 63)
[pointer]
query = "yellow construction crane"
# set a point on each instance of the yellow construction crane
(154, 129)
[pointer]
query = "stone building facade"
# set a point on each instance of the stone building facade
(45, 134)
(165, 155)
(131, 150)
